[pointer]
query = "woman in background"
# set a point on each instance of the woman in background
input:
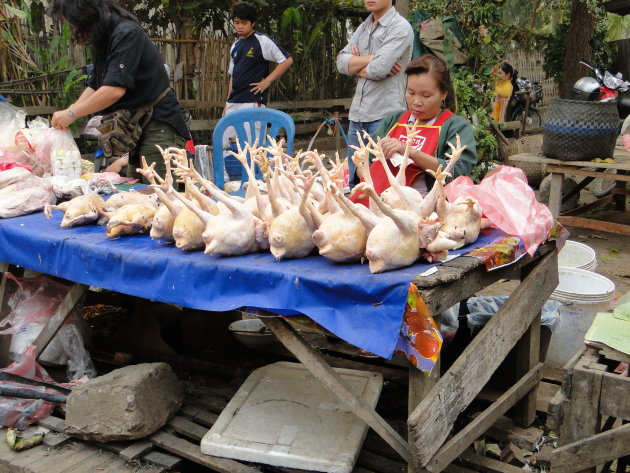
(503, 91)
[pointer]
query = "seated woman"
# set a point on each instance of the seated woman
(503, 89)
(429, 94)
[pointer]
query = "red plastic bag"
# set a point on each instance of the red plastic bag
(20, 413)
(509, 203)
(6, 165)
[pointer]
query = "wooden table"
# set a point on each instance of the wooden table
(435, 403)
(559, 169)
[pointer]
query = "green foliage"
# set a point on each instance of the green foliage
(554, 43)
(485, 41)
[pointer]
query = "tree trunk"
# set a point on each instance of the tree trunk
(580, 32)
(403, 7)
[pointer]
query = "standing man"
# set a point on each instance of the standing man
(378, 50)
(251, 55)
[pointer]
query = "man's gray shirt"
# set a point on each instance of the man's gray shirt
(390, 41)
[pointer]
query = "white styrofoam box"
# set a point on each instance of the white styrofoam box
(283, 416)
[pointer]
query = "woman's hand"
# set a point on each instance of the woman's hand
(391, 146)
(117, 165)
(62, 119)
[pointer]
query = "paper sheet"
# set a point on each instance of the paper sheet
(610, 331)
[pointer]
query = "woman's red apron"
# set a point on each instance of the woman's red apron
(426, 141)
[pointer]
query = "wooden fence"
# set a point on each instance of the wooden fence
(529, 64)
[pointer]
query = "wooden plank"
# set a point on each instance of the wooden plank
(583, 419)
(59, 317)
(465, 437)
(593, 205)
(546, 392)
(595, 225)
(69, 460)
(199, 415)
(191, 451)
(187, 428)
(375, 462)
(329, 378)
(584, 172)
(464, 276)
(488, 465)
(162, 459)
(30, 456)
(555, 193)
(592, 451)
(433, 419)
(53, 423)
(202, 125)
(326, 103)
(136, 450)
(55, 439)
(614, 399)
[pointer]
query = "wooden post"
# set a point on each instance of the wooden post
(555, 193)
(58, 318)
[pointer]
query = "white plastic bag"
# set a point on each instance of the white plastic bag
(65, 156)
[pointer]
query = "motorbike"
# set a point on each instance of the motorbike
(518, 104)
(604, 87)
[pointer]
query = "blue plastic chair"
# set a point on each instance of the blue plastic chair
(271, 121)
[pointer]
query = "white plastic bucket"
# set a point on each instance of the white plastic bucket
(577, 255)
(583, 294)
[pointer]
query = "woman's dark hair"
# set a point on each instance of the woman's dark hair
(91, 20)
(430, 64)
(244, 11)
(508, 69)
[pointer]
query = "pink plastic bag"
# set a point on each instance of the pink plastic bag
(509, 203)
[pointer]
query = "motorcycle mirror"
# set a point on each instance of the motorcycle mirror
(595, 44)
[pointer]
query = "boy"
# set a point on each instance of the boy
(250, 79)
(249, 65)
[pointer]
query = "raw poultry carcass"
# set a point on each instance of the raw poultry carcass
(129, 220)
(398, 195)
(393, 242)
(124, 198)
(341, 237)
(82, 210)
(461, 220)
(291, 232)
(430, 201)
(235, 230)
(25, 201)
(21, 192)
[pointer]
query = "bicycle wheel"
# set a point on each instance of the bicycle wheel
(533, 117)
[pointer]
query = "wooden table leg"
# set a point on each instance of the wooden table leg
(59, 317)
(555, 193)
(329, 378)
(527, 356)
(419, 386)
(620, 198)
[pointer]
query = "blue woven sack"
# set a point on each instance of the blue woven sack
(577, 130)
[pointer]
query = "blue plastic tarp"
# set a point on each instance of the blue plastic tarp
(362, 308)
